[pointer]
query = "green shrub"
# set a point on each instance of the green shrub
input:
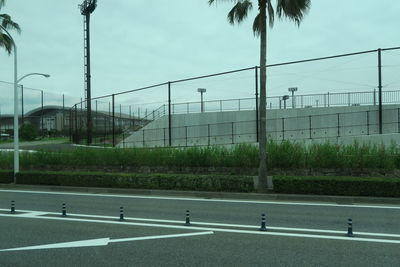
(28, 132)
(140, 181)
(6, 177)
(336, 185)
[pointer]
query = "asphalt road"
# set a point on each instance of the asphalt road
(223, 232)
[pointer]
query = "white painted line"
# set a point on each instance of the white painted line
(344, 238)
(254, 227)
(206, 200)
(75, 244)
(159, 237)
(102, 242)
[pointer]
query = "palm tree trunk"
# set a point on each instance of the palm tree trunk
(262, 172)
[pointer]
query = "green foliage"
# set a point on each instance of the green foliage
(140, 181)
(280, 155)
(335, 185)
(6, 177)
(28, 132)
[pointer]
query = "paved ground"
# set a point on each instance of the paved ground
(223, 232)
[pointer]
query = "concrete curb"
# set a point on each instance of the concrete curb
(345, 200)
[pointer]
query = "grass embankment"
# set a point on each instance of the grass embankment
(280, 155)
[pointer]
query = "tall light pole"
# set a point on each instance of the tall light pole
(16, 81)
(293, 89)
(87, 7)
(202, 91)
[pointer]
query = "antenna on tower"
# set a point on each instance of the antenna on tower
(87, 8)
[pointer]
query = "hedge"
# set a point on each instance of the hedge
(141, 181)
(337, 185)
(6, 177)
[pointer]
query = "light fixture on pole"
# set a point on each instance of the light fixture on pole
(202, 91)
(293, 89)
(284, 98)
(16, 81)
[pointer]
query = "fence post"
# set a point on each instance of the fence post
(367, 122)
(169, 115)
(301, 99)
(374, 96)
(380, 88)
(63, 117)
(348, 99)
(22, 104)
(257, 119)
(113, 120)
(165, 140)
(309, 122)
(338, 124)
(233, 136)
(324, 100)
(143, 136)
(239, 104)
(76, 125)
(328, 99)
(208, 130)
(398, 120)
(41, 113)
(186, 136)
(187, 107)
(220, 105)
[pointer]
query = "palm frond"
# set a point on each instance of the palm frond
(256, 25)
(210, 2)
(7, 23)
(6, 42)
(270, 15)
(239, 11)
(293, 9)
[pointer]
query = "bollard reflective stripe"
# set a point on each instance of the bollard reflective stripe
(121, 213)
(263, 223)
(64, 210)
(187, 222)
(12, 206)
(350, 228)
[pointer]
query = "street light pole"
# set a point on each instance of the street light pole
(201, 91)
(16, 133)
(293, 89)
(16, 129)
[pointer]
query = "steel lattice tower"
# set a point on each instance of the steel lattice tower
(87, 8)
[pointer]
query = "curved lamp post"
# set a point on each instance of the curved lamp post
(16, 81)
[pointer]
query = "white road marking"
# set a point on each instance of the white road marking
(75, 244)
(102, 242)
(254, 227)
(215, 229)
(206, 200)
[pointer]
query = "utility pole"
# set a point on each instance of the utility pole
(87, 8)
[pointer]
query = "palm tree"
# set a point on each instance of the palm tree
(6, 23)
(295, 11)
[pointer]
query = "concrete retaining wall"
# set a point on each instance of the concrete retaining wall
(308, 125)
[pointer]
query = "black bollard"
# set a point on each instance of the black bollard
(187, 222)
(12, 206)
(350, 228)
(121, 213)
(263, 223)
(64, 210)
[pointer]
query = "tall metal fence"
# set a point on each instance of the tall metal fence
(47, 111)
(119, 115)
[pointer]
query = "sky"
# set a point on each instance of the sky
(140, 43)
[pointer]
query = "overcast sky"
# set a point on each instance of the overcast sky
(139, 43)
